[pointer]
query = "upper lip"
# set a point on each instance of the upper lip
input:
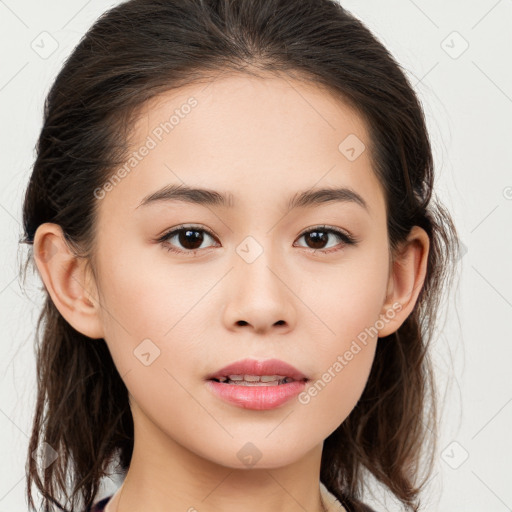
(254, 367)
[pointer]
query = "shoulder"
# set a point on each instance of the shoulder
(361, 507)
(99, 506)
(366, 508)
(333, 504)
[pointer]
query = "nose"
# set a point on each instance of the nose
(260, 298)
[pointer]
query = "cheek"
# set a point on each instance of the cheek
(347, 299)
(347, 302)
(334, 393)
(137, 302)
(345, 359)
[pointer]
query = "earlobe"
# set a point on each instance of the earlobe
(65, 278)
(408, 272)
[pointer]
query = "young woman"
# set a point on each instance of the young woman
(232, 213)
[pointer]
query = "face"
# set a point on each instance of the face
(251, 277)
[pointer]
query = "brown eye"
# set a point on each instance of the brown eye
(185, 239)
(190, 238)
(318, 238)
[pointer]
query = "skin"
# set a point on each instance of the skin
(240, 138)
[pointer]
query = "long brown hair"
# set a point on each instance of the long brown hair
(141, 48)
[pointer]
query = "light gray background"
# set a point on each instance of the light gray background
(467, 97)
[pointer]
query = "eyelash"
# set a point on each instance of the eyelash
(345, 237)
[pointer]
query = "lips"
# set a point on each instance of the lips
(242, 384)
(252, 367)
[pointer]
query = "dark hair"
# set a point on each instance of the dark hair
(142, 48)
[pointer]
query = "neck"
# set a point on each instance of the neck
(166, 477)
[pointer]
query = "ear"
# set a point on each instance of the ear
(407, 275)
(65, 276)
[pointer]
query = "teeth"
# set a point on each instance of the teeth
(256, 380)
(250, 378)
(270, 378)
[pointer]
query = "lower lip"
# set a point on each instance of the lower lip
(257, 397)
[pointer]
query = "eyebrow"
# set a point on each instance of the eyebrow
(208, 197)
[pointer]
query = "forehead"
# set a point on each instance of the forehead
(257, 138)
(244, 108)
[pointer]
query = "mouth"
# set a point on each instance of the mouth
(250, 372)
(257, 385)
(256, 380)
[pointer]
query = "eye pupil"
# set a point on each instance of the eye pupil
(318, 240)
(187, 236)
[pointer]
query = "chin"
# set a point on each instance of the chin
(262, 454)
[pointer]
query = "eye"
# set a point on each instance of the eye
(190, 237)
(319, 236)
